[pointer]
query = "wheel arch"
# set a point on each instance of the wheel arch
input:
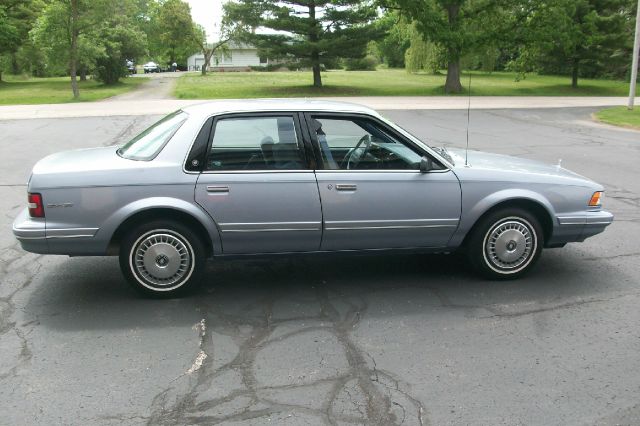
(540, 208)
(188, 218)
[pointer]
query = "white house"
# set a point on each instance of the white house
(237, 57)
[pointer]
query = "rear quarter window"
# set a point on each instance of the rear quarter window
(149, 143)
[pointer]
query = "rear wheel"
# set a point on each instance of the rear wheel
(505, 244)
(162, 258)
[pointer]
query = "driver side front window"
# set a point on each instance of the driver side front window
(358, 144)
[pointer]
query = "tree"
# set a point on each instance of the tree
(309, 32)
(121, 41)
(171, 32)
(393, 46)
(456, 26)
(78, 36)
(422, 55)
(65, 32)
(8, 35)
(16, 20)
(228, 31)
(575, 37)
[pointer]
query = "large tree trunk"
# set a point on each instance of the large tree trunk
(83, 73)
(315, 65)
(73, 57)
(313, 38)
(453, 85)
(574, 73)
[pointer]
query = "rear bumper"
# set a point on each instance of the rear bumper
(34, 236)
(579, 227)
(31, 233)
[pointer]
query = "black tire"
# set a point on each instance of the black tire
(162, 258)
(505, 244)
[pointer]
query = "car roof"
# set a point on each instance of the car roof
(267, 105)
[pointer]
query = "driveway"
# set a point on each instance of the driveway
(405, 339)
(160, 86)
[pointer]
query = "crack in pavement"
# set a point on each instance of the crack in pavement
(22, 267)
(359, 393)
(198, 399)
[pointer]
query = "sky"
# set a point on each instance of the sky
(207, 13)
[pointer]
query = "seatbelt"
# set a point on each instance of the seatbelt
(324, 147)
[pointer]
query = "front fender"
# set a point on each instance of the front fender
(475, 206)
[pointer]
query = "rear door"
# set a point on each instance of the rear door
(373, 193)
(257, 185)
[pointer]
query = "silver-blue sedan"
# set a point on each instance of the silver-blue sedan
(276, 177)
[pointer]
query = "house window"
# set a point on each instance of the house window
(227, 58)
(263, 59)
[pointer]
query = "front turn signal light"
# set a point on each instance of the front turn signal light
(596, 199)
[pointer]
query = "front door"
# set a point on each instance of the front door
(372, 191)
(257, 186)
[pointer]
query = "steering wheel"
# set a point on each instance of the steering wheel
(353, 158)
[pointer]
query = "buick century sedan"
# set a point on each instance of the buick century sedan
(269, 177)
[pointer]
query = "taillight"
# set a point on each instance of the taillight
(36, 208)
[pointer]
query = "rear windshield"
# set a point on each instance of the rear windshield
(149, 143)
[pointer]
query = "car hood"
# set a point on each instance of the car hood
(479, 160)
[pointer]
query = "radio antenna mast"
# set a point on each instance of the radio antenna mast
(466, 151)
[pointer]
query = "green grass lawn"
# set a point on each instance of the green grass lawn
(383, 82)
(620, 116)
(16, 90)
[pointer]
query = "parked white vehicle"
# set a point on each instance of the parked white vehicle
(151, 67)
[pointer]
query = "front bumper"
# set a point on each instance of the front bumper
(579, 227)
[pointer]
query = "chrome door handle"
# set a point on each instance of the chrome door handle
(346, 187)
(217, 188)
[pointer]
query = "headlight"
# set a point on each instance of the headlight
(596, 199)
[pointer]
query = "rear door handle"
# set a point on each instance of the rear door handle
(217, 188)
(346, 187)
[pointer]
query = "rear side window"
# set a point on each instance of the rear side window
(149, 143)
(255, 143)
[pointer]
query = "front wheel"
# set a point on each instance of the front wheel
(162, 258)
(505, 244)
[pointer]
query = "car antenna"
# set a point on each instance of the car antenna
(466, 151)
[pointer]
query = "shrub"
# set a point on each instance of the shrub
(368, 63)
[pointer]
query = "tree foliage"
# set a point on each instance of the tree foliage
(307, 32)
(397, 38)
(457, 27)
(172, 34)
(423, 54)
(575, 37)
(16, 20)
(82, 36)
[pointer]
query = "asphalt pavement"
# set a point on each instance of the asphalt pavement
(403, 339)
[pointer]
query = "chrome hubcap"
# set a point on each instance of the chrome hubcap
(510, 244)
(161, 259)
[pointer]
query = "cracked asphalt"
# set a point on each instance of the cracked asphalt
(403, 339)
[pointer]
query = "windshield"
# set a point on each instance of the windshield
(149, 143)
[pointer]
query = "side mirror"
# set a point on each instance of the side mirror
(426, 164)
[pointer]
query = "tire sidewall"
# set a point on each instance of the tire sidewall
(476, 250)
(192, 242)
